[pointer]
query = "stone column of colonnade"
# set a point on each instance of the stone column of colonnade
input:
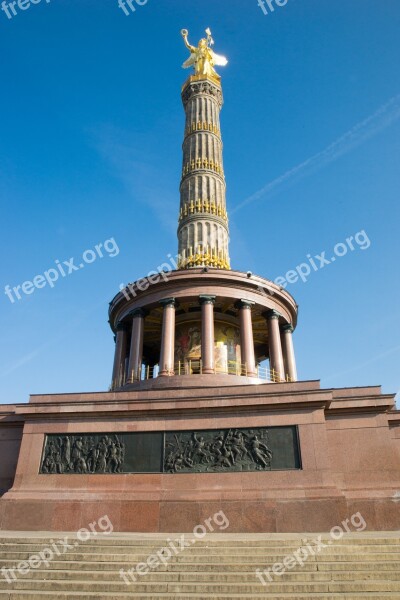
(207, 334)
(275, 346)
(167, 351)
(281, 352)
(136, 349)
(288, 352)
(246, 337)
(121, 343)
(203, 222)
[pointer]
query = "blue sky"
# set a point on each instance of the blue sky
(90, 145)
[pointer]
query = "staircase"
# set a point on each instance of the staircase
(359, 566)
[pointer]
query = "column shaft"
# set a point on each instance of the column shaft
(275, 346)
(207, 334)
(288, 352)
(136, 350)
(118, 376)
(246, 338)
(167, 353)
(203, 188)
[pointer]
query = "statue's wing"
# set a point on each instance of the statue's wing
(221, 61)
(189, 62)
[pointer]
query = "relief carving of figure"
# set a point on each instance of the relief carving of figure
(83, 454)
(261, 452)
(217, 451)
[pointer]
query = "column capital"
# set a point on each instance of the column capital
(204, 299)
(168, 302)
(121, 326)
(271, 314)
(138, 312)
(244, 304)
(287, 328)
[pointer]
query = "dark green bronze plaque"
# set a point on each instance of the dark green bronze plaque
(207, 451)
(227, 450)
(103, 453)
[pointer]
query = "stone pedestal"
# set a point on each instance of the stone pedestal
(349, 444)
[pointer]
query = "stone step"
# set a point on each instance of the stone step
(212, 567)
(321, 557)
(195, 549)
(185, 556)
(208, 589)
(26, 595)
(362, 568)
(216, 576)
(359, 562)
(102, 540)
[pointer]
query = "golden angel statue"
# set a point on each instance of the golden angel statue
(203, 58)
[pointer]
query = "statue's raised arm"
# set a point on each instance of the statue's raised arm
(202, 58)
(184, 34)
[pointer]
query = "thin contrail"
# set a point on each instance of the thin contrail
(62, 333)
(22, 361)
(364, 364)
(379, 120)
